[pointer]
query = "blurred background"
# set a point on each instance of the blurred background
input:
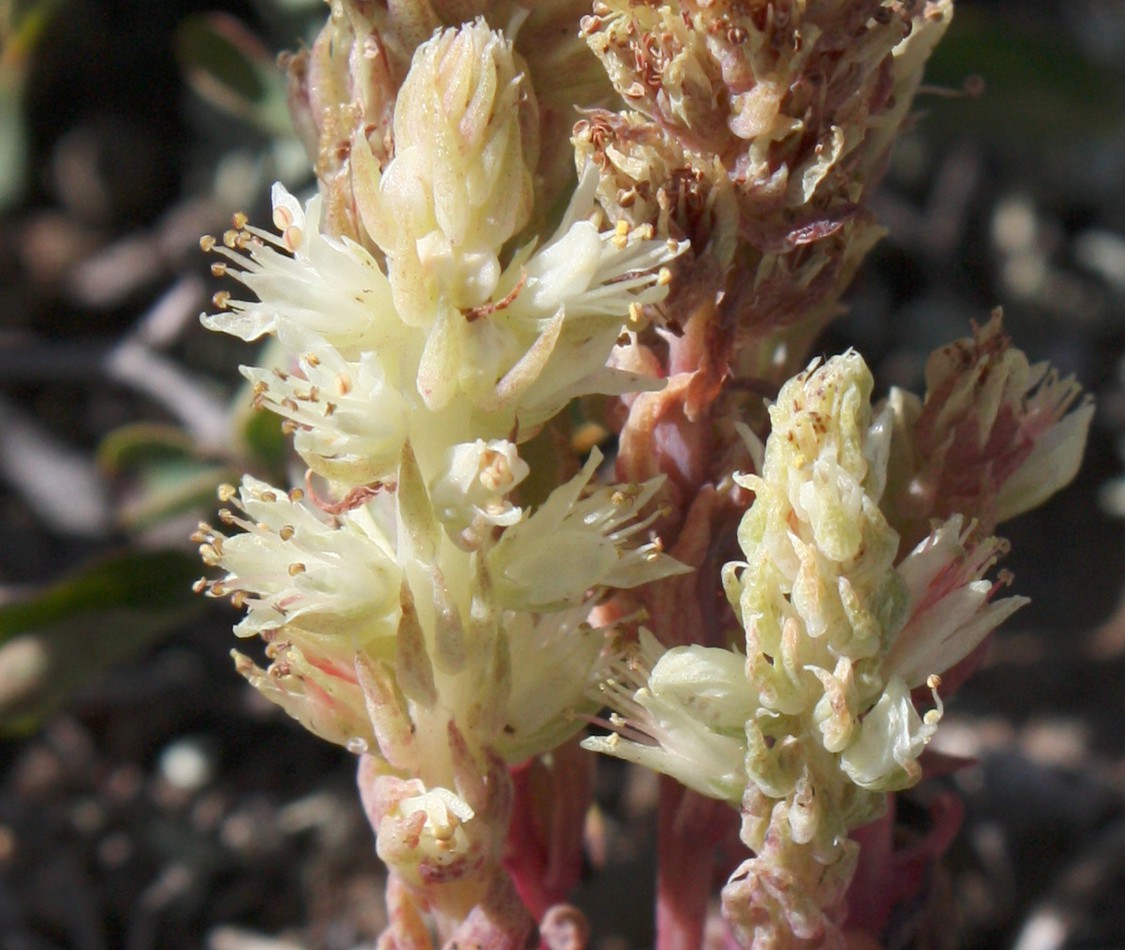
(148, 799)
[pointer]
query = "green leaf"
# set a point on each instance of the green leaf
(231, 68)
(264, 442)
(133, 447)
(63, 637)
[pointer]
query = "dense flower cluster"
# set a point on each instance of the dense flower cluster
(409, 597)
(450, 595)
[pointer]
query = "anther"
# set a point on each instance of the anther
(239, 220)
(296, 568)
(286, 532)
(221, 299)
(207, 243)
(293, 237)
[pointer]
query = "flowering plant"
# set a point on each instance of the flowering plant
(451, 595)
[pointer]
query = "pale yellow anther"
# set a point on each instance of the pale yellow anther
(282, 218)
(292, 237)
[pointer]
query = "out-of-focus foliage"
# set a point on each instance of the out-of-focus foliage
(55, 642)
(22, 25)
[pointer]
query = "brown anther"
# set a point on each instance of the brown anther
(475, 313)
(343, 384)
(207, 243)
(312, 359)
(296, 568)
(200, 585)
(238, 599)
(286, 532)
(226, 516)
(329, 408)
(219, 269)
(288, 427)
(221, 299)
(239, 220)
(280, 374)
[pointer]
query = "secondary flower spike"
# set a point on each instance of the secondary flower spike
(810, 728)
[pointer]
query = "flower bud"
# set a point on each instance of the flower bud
(460, 182)
(994, 437)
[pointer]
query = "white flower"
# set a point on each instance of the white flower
(558, 662)
(349, 424)
(423, 832)
(573, 545)
(338, 583)
(682, 713)
(884, 755)
(322, 697)
(951, 604)
(303, 278)
(471, 493)
(560, 311)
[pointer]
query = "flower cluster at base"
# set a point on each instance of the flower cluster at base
(414, 610)
(809, 729)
